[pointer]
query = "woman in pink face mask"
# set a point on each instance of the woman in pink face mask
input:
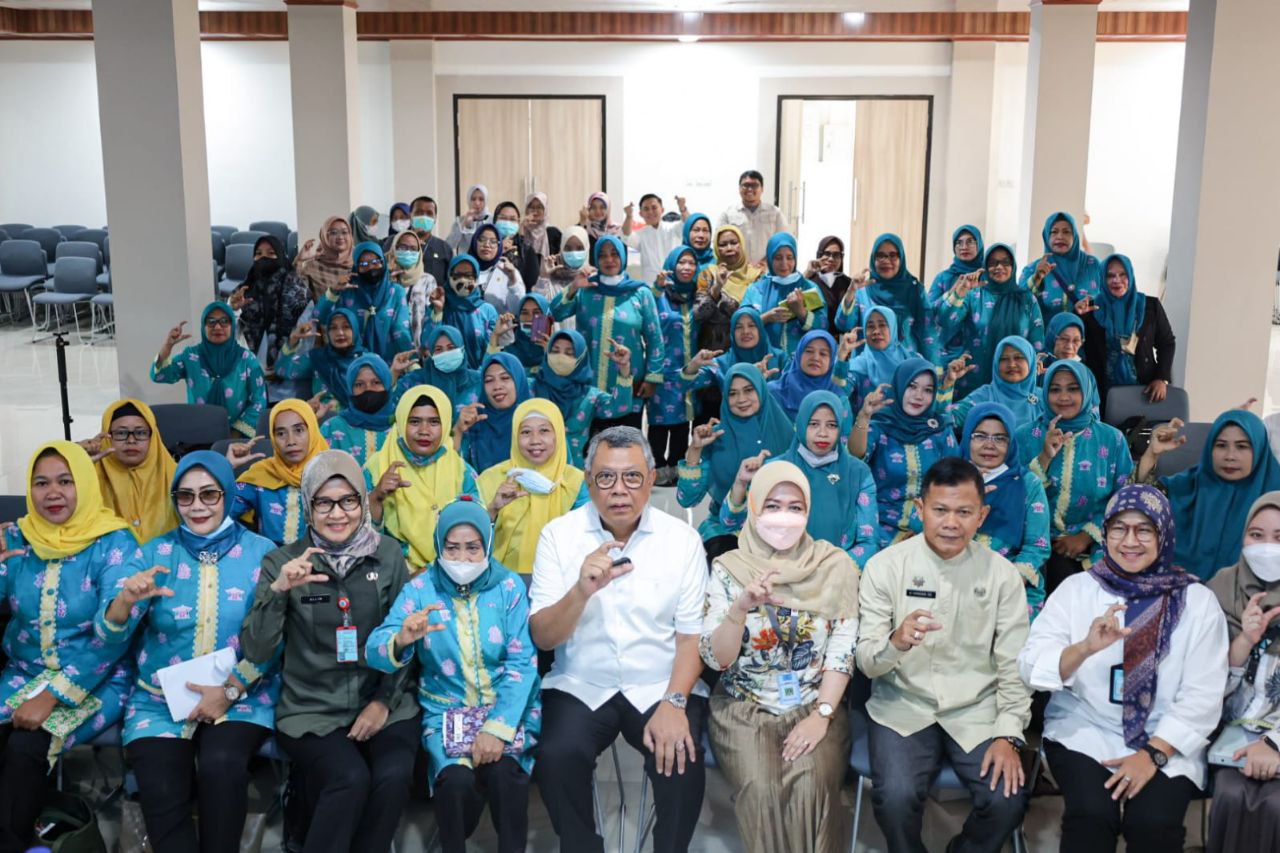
(781, 623)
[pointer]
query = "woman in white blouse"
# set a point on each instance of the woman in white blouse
(1134, 652)
(781, 623)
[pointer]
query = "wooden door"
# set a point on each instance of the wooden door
(567, 155)
(492, 148)
(790, 177)
(890, 168)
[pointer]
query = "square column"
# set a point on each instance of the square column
(1055, 145)
(413, 125)
(969, 172)
(326, 110)
(151, 112)
(1225, 228)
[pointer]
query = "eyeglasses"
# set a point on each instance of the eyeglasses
(370, 265)
(217, 322)
(487, 241)
(208, 497)
(1119, 531)
(631, 479)
(998, 440)
(122, 436)
(324, 506)
(336, 232)
(999, 262)
(751, 185)
(966, 242)
(831, 254)
(471, 549)
(887, 256)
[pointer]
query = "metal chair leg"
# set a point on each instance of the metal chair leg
(857, 815)
(622, 799)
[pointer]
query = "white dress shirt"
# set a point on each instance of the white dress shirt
(625, 639)
(1190, 681)
(654, 244)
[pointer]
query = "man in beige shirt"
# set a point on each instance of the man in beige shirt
(943, 619)
(757, 219)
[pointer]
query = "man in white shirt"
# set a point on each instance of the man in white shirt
(618, 590)
(941, 621)
(657, 238)
(758, 220)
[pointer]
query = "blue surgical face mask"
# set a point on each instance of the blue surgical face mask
(406, 258)
(787, 279)
(531, 481)
(506, 229)
(448, 361)
(424, 223)
(574, 260)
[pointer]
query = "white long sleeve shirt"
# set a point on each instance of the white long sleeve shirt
(1191, 680)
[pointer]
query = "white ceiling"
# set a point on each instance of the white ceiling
(641, 6)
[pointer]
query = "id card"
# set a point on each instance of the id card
(348, 645)
(788, 689)
(1117, 684)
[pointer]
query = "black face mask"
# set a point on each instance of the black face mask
(371, 277)
(266, 267)
(370, 401)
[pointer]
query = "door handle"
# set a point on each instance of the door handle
(804, 200)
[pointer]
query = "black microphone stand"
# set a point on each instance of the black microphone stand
(60, 345)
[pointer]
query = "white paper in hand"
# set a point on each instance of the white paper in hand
(210, 669)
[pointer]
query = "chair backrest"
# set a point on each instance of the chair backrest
(75, 275)
(1101, 251)
(1183, 457)
(1128, 401)
(291, 246)
(225, 230)
(4, 235)
(106, 251)
(48, 238)
(279, 230)
(219, 248)
(249, 237)
(12, 507)
(68, 231)
(97, 236)
(80, 249)
(191, 426)
(15, 228)
(239, 260)
(261, 444)
(22, 257)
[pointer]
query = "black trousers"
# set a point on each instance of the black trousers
(635, 419)
(24, 783)
(1057, 569)
(460, 795)
(357, 791)
(573, 736)
(668, 443)
(216, 759)
(1092, 822)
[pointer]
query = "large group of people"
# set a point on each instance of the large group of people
(906, 485)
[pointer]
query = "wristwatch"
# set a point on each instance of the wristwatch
(1158, 758)
(677, 699)
(1017, 743)
(825, 710)
(232, 691)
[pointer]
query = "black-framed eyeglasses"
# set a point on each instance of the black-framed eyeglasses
(137, 436)
(370, 265)
(217, 322)
(324, 506)
(1118, 531)
(998, 439)
(891, 256)
(999, 262)
(208, 497)
(487, 241)
(831, 253)
(631, 479)
(751, 185)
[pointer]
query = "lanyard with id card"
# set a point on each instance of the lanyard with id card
(788, 682)
(348, 645)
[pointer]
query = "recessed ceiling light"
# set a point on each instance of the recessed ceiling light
(855, 19)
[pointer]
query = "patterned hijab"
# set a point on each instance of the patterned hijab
(329, 266)
(1154, 599)
(323, 467)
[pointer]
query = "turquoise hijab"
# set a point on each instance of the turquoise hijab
(464, 510)
(566, 391)
(894, 421)
(704, 257)
(1121, 317)
(381, 419)
(371, 302)
(523, 347)
(219, 359)
(783, 286)
(463, 312)
(877, 366)
(627, 284)
(1014, 305)
(456, 383)
(331, 365)
(794, 384)
(753, 355)
(1088, 388)
(903, 292)
(1059, 324)
(1020, 398)
(490, 438)
(959, 267)
(1008, 501)
(1070, 266)
(1210, 513)
(768, 429)
(834, 485)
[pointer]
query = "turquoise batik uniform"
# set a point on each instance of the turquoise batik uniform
(768, 429)
(462, 384)
(53, 604)
(841, 488)
(904, 294)
(715, 372)
(382, 309)
(624, 311)
(1209, 513)
(523, 347)
(1021, 398)
(871, 368)
(900, 450)
(985, 315)
(470, 315)
(577, 397)
(225, 374)
(357, 432)
(672, 403)
(1076, 274)
(483, 658)
(325, 366)
(1093, 463)
(1017, 526)
(951, 344)
(279, 513)
(769, 291)
(213, 579)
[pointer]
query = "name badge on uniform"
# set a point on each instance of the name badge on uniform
(788, 689)
(921, 593)
(348, 645)
(1117, 684)
(315, 599)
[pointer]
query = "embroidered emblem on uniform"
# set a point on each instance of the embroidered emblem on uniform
(933, 423)
(917, 581)
(371, 576)
(980, 591)
(833, 478)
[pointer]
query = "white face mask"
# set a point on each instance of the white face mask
(988, 476)
(398, 225)
(532, 481)
(610, 279)
(1264, 559)
(461, 572)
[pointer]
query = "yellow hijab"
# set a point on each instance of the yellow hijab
(90, 520)
(410, 514)
(741, 276)
(274, 472)
(520, 522)
(139, 495)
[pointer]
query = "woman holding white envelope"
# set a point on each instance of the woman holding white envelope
(188, 591)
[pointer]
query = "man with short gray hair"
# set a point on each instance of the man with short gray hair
(617, 592)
